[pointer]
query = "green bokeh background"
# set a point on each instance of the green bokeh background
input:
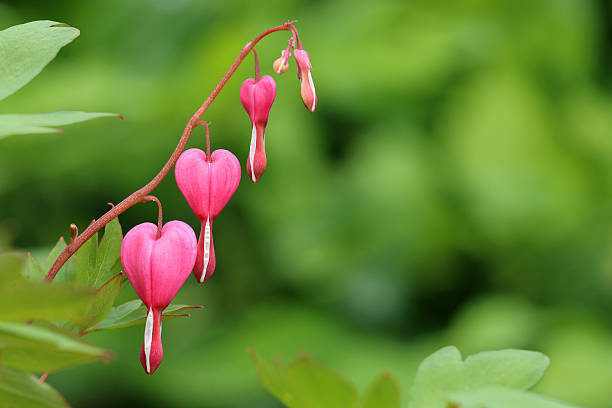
(453, 187)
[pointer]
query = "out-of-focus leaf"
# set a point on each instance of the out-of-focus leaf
(19, 124)
(108, 253)
(33, 269)
(85, 260)
(24, 390)
(271, 377)
(134, 312)
(39, 349)
(305, 383)
(445, 372)
(22, 299)
(498, 397)
(25, 49)
(101, 304)
(384, 392)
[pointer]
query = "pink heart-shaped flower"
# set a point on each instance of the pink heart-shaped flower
(207, 187)
(257, 97)
(157, 267)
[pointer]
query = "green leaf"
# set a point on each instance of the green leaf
(19, 124)
(66, 273)
(445, 372)
(101, 304)
(85, 261)
(22, 299)
(497, 397)
(24, 390)
(57, 249)
(32, 348)
(26, 49)
(134, 312)
(384, 392)
(33, 270)
(304, 383)
(108, 253)
(272, 378)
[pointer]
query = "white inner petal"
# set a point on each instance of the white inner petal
(252, 152)
(314, 95)
(148, 337)
(206, 248)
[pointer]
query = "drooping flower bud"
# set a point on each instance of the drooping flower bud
(207, 187)
(281, 65)
(257, 97)
(309, 95)
(157, 265)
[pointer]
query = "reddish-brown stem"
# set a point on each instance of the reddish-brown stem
(139, 194)
(296, 35)
(257, 71)
(208, 158)
(160, 216)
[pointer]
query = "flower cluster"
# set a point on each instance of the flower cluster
(158, 259)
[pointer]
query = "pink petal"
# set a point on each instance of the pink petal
(207, 187)
(257, 98)
(136, 252)
(205, 260)
(172, 260)
(151, 351)
(257, 161)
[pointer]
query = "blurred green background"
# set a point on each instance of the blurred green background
(453, 187)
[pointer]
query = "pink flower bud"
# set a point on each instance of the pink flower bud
(207, 187)
(157, 267)
(281, 65)
(257, 98)
(309, 96)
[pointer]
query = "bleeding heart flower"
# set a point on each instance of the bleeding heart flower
(157, 264)
(281, 65)
(257, 97)
(207, 187)
(309, 95)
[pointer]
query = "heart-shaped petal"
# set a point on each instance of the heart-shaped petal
(158, 267)
(257, 98)
(207, 187)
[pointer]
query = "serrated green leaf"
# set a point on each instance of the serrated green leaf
(497, 397)
(85, 260)
(26, 49)
(33, 269)
(445, 372)
(39, 349)
(22, 299)
(384, 392)
(305, 383)
(24, 390)
(108, 253)
(55, 251)
(101, 304)
(20, 124)
(134, 313)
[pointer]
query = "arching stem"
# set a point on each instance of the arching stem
(139, 194)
